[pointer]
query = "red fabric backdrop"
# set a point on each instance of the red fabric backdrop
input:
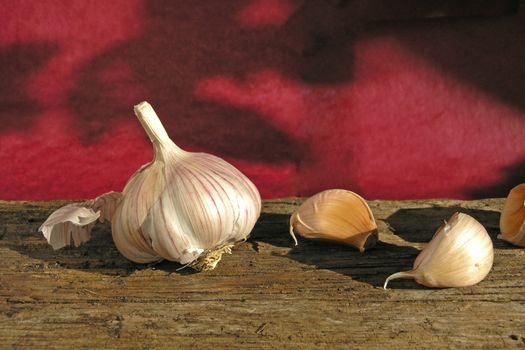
(299, 95)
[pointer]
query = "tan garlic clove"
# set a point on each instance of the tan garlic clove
(336, 215)
(460, 254)
(511, 222)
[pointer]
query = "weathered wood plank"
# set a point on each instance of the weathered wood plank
(267, 294)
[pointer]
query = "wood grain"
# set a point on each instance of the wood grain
(267, 294)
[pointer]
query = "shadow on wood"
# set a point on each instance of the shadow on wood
(368, 267)
(365, 267)
(99, 255)
(418, 225)
(271, 228)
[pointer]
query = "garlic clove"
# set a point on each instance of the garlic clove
(513, 217)
(74, 222)
(336, 215)
(460, 254)
(139, 196)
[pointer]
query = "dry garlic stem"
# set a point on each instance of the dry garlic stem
(336, 215)
(460, 254)
(512, 217)
(182, 206)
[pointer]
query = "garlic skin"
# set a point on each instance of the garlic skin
(72, 222)
(460, 254)
(75, 221)
(336, 215)
(182, 206)
(512, 217)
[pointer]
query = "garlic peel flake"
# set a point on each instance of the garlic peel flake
(69, 223)
(106, 204)
(73, 222)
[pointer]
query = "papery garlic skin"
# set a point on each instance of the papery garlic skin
(106, 204)
(512, 219)
(73, 222)
(336, 215)
(182, 204)
(460, 254)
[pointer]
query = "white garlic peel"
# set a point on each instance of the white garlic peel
(336, 215)
(71, 222)
(512, 217)
(183, 206)
(74, 222)
(460, 254)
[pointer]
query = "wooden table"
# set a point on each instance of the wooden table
(267, 294)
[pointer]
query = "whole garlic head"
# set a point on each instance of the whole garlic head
(512, 217)
(182, 206)
(336, 215)
(460, 254)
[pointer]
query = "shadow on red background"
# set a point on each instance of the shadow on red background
(310, 44)
(489, 57)
(17, 63)
(186, 43)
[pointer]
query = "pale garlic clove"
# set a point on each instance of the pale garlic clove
(140, 193)
(72, 224)
(336, 215)
(512, 217)
(460, 254)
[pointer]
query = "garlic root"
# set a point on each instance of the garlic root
(208, 261)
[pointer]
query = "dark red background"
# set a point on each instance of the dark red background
(300, 95)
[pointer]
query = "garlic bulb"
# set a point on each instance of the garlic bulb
(512, 217)
(182, 206)
(336, 215)
(460, 254)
